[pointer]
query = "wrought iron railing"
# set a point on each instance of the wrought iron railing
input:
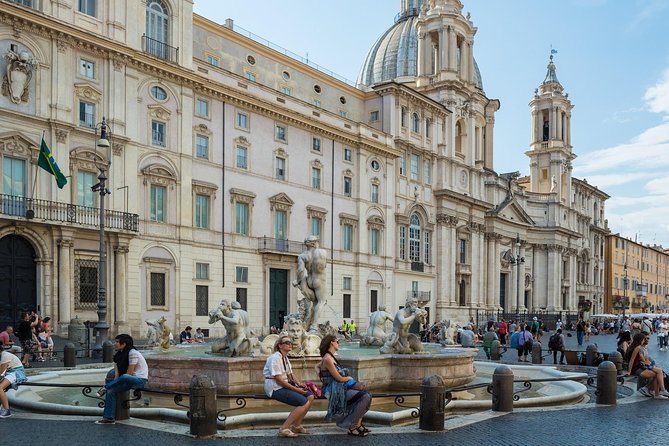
(278, 245)
(423, 296)
(160, 49)
(45, 210)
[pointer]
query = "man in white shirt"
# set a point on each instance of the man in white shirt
(131, 372)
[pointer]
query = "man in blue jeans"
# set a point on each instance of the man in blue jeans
(130, 372)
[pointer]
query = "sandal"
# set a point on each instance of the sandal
(358, 431)
(364, 429)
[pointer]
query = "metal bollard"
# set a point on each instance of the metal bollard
(203, 409)
(607, 384)
(502, 389)
(69, 355)
(591, 355)
(432, 403)
(494, 351)
(122, 412)
(108, 351)
(536, 352)
(617, 359)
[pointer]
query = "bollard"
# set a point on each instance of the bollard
(203, 409)
(69, 355)
(607, 384)
(432, 403)
(108, 351)
(494, 351)
(617, 359)
(502, 389)
(536, 352)
(591, 355)
(122, 409)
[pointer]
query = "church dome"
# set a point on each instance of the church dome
(395, 54)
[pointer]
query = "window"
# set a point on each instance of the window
(347, 237)
(414, 167)
(158, 289)
(403, 165)
(87, 7)
(286, 91)
(317, 89)
(86, 114)
(202, 271)
(426, 172)
(157, 28)
(242, 121)
(158, 203)
(201, 211)
(317, 103)
(240, 296)
(402, 237)
(242, 218)
(87, 287)
(427, 247)
(463, 251)
(251, 60)
(250, 76)
(286, 75)
(87, 68)
(242, 157)
(315, 177)
(213, 60)
(280, 133)
(346, 285)
(403, 117)
(348, 154)
(343, 113)
(280, 168)
(202, 146)
(158, 130)
(374, 116)
(13, 183)
(428, 128)
(201, 300)
(373, 300)
(281, 225)
(375, 165)
(415, 123)
(348, 186)
(375, 193)
(158, 93)
(85, 196)
(242, 274)
(316, 224)
(374, 242)
(414, 238)
(346, 313)
(202, 108)
(316, 144)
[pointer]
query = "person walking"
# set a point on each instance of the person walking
(525, 340)
(281, 385)
(130, 372)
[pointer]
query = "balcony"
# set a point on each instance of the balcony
(266, 244)
(420, 296)
(160, 49)
(66, 213)
(641, 290)
(464, 269)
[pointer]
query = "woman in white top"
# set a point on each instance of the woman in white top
(662, 334)
(281, 385)
(11, 372)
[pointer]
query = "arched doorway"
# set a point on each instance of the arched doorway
(18, 279)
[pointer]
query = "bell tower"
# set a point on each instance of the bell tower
(550, 148)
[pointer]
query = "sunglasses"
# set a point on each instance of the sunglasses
(336, 340)
(286, 343)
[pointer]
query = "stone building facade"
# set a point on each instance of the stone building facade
(226, 153)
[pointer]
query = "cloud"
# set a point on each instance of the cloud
(604, 181)
(657, 96)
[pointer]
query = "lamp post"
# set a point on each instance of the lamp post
(517, 260)
(624, 289)
(102, 328)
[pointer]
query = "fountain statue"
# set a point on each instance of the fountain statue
(311, 264)
(236, 321)
(400, 340)
(165, 343)
(155, 331)
(376, 333)
(448, 333)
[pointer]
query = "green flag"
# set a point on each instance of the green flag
(46, 162)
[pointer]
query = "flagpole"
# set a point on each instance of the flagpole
(32, 193)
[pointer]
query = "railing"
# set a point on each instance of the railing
(422, 296)
(278, 245)
(417, 266)
(158, 138)
(87, 120)
(160, 49)
(46, 210)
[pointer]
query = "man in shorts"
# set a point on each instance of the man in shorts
(11, 374)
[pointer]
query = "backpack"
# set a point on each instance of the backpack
(554, 342)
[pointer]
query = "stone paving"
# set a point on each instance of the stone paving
(591, 424)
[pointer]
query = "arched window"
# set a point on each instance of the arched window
(157, 28)
(415, 123)
(414, 238)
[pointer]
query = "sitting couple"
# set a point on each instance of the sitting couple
(347, 404)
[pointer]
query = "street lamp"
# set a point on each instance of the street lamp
(517, 260)
(624, 289)
(102, 328)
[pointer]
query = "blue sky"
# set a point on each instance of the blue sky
(613, 61)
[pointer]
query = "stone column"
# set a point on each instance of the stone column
(442, 246)
(453, 236)
(64, 284)
(120, 298)
(492, 256)
(420, 63)
(452, 48)
(475, 288)
(443, 50)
